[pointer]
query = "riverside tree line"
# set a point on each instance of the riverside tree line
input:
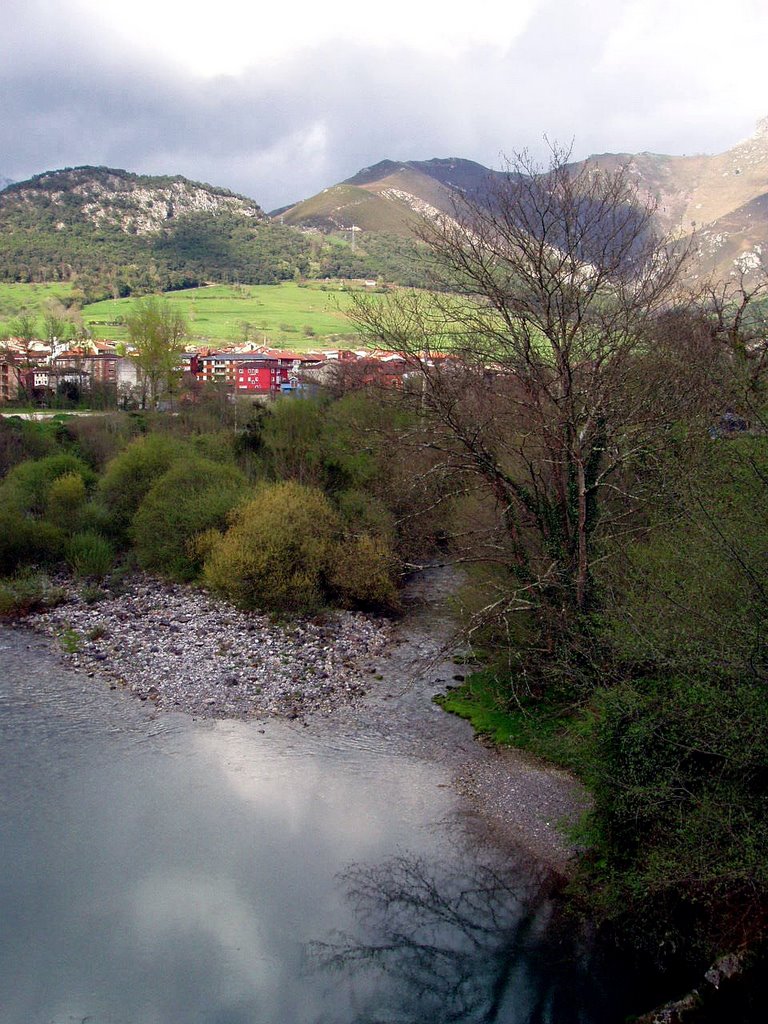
(588, 439)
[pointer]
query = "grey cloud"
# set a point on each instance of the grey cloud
(284, 132)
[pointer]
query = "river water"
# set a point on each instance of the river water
(155, 869)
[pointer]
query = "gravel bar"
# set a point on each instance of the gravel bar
(185, 650)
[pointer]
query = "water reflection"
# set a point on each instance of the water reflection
(157, 870)
(468, 941)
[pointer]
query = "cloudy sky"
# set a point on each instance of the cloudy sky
(278, 100)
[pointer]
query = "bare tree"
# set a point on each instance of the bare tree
(737, 311)
(541, 368)
(59, 323)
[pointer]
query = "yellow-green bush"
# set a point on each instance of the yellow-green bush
(27, 486)
(66, 501)
(286, 550)
(278, 552)
(363, 573)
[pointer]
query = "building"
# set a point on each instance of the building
(260, 371)
(9, 380)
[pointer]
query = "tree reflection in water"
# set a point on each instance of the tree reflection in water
(443, 944)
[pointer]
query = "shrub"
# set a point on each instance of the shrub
(190, 498)
(27, 486)
(293, 438)
(129, 476)
(216, 445)
(24, 541)
(21, 440)
(363, 573)
(66, 498)
(90, 554)
(690, 595)
(70, 640)
(678, 772)
(278, 552)
(100, 438)
(363, 513)
(28, 592)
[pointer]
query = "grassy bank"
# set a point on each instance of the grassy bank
(548, 730)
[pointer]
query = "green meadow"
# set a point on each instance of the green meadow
(28, 298)
(286, 315)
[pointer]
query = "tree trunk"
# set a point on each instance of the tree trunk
(582, 564)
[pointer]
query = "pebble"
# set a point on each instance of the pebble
(183, 648)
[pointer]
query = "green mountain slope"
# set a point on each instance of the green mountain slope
(115, 232)
(389, 196)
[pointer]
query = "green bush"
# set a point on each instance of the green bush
(26, 541)
(363, 513)
(293, 438)
(218, 446)
(90, 554)
(278, 552)
(21, 440)
(26, 488)
(690, 596)
(363, 573)
(191, 497)
(678, 772)
(129, 476)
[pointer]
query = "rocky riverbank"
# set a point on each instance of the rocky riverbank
(185, 650)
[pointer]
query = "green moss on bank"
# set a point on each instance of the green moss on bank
(548, 730)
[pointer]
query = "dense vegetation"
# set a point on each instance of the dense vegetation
(48, 234)
(296, 510)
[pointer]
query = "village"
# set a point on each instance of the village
(54, 374)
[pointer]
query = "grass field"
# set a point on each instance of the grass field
(286, 315)
(28, 298)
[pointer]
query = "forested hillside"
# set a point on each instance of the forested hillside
(116, 233)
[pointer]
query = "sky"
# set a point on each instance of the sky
(279, 100)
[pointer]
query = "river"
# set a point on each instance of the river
(157, 869)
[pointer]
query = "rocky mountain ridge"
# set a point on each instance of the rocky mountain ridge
(84, 219)
(134, 204)
(389, 196)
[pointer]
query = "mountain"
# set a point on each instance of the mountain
(109, 198)
(116, 232)
(723, 199)
(5, 182)
(389, 196)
